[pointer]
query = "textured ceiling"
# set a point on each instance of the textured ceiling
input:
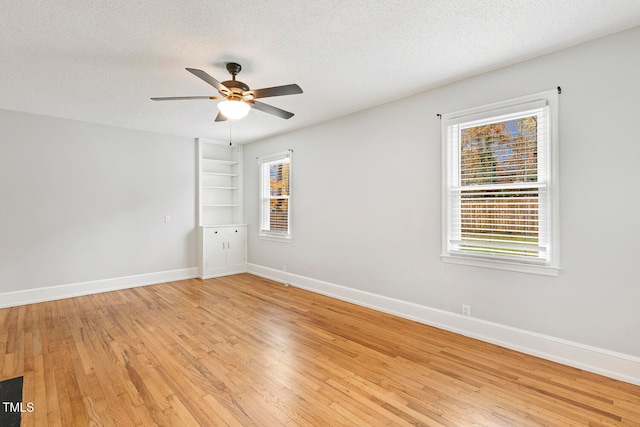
(101, 60)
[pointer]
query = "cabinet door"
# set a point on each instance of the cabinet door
(235, 250)
(215, 252)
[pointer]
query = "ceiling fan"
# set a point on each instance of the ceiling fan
(238, 97)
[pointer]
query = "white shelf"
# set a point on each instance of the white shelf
(213, 187)
(221, 162)
(219, 174)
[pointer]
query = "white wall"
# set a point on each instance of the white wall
(82, 202)
(366, 201)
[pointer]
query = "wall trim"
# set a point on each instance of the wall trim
(600, 361)
(50, 293)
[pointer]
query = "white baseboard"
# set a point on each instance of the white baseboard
(615, 365)
(31, 296)
(209, 274)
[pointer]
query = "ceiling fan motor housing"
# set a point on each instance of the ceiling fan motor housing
(236, 87)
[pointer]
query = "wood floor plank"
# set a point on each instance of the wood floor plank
(245, 351)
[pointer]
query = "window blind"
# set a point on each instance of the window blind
(497, 184)
(275, 172)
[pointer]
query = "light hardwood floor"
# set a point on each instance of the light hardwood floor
(242, 350)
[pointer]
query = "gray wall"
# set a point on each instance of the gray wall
(82, 202)
(367, 187)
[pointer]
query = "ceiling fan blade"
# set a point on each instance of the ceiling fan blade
(276, 91)
(207, 78)
(220, 117)
(178, 98)
(270, 109)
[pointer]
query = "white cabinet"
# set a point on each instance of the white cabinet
(223, 250)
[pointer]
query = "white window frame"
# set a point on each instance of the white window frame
(451, 124)
(264, 163)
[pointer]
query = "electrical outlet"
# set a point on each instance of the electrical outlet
(284, 268)
(167, 219)
(466, 310)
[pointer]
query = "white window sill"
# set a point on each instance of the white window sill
(544, 270)
(275, 238)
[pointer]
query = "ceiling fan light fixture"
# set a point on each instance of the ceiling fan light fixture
(234, 109)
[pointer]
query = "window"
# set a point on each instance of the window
(275, 194)
(499, 192)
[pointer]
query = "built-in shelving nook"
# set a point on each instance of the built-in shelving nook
(220, 186)
(222, 233)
